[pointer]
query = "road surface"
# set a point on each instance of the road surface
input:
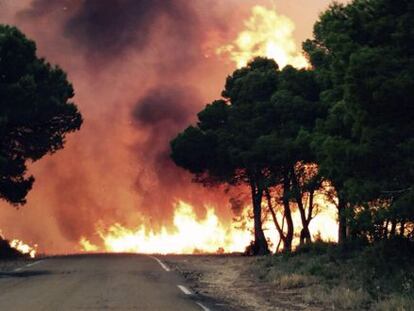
(96, 282)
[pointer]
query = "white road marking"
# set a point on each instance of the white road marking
(202, 306)
(185, 290)
(28, 265)
(163, 265)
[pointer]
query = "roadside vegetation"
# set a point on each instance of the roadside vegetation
(8, 252)
(375, 277)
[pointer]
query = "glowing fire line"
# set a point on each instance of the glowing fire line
(189, 235)
(24, 248)
(208, 235)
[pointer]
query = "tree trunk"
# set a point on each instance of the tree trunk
(342, 230)
(280, 240)
(289, 222)
(260, 246)
(393, 227)
(305, 236)
(402, 228)
(384, 230)
(310, 215)
(274, 217)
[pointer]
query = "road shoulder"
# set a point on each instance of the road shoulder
(230, 280)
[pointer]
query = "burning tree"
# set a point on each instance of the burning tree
(35, 111)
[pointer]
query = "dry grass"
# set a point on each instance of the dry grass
(337, 298)
(379, 277)
(293, 280)
(395, 303)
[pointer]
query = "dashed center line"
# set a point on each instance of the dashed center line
(163, 265)
(184, 289)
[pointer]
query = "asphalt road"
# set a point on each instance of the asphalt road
(95, 282)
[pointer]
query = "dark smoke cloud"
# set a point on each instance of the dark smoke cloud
(110, 27)
(103, 31)
(163, 112)
(40, 8)
(175, 104)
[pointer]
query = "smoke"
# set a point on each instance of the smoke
(141, 73)
(163, 112)
(108, 28)
(141, 70)
(166, 106)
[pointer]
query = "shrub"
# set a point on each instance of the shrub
(7, 252)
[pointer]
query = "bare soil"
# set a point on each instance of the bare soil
(230, 279)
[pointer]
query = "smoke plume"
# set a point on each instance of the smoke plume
(141, 70)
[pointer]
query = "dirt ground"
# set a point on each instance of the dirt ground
(231, 280)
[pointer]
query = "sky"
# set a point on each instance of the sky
(141, 71)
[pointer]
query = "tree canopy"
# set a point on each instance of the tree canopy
(221, 146)
(253, 136)
(363, 55)
(35, 111)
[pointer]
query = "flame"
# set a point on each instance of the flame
(266, 34)
(24, 248)
(87, 246)
(189, 235)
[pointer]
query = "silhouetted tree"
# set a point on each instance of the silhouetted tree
(254, 136)
(35, 111)
(363, 55)
(294, 109)
(221, 146)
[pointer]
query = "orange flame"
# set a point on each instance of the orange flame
(266, 34)
(190, 235)
(208, 235)
(24, 248)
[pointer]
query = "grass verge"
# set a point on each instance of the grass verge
(377, 277)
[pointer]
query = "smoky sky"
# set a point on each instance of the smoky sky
(41, 8)
(165, 104)
(105, 30)
(163, 111)
(140, 76)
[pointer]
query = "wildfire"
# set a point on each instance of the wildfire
(24, 248)
(267, 34)
(87, 246)
(189, 235)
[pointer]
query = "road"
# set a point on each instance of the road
(96, 282)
